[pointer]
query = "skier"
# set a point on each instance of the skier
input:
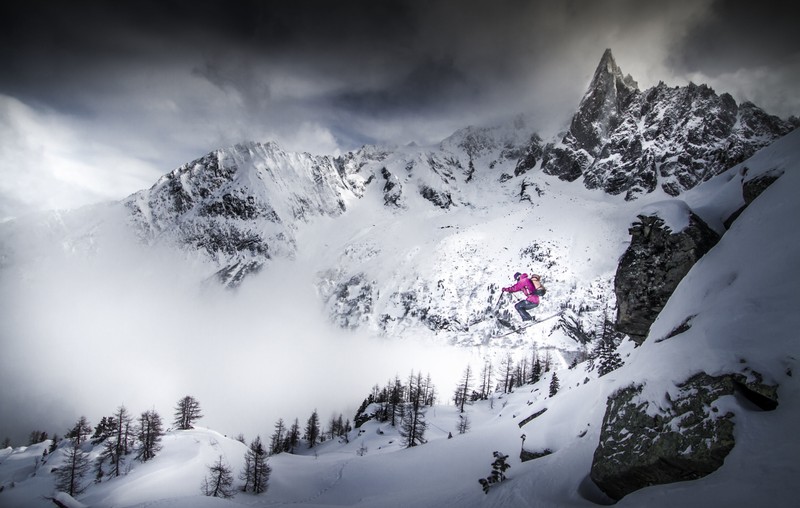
(531, 288)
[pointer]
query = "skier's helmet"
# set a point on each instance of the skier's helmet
(517, 275)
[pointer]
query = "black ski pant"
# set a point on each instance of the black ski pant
(523, 306)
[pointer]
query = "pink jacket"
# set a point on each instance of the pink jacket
(526, 286)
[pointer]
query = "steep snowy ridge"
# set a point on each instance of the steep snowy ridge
(605, 102)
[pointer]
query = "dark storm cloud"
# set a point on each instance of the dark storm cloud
(740, 33)
(162, 82)
(425, 87)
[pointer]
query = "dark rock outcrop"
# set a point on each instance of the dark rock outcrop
(751, 189)
(645, 442)
(441, 199)
(651, 268)
(392, 189)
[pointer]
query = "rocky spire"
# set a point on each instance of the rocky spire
(599, 111)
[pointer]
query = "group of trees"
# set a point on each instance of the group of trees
(505, 377)
(286, 438)
(604, 355)
(530, 369)
(119, 435)
(255, 475)
(402, 405)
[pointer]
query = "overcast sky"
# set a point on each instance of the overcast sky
(98, 99)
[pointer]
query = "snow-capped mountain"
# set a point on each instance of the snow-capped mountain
(244, 205)
(632, 142)
(703, 412)
(240, 206)
(424, 237)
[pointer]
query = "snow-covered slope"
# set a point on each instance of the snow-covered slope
(741, 302)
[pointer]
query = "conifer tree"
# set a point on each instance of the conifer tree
(70, 474)
(105, 429)
(396, 399)
(103, 433)
(554, 384)
(346, 430)
(256, 470)
(548, 361)
(463, 424)
(605, 351)
(499, 468)
(507, 373)
(186, 413)
(293, 437)
(36, 437)
(463, 389)
(533, 361)
(521, 372)
(54, 444)
(80, 432)
(429, 391)
(486, 379)
(414, 425)
(150, 431)
(117, 445)
(312, 429)
(536, 371)
(360, 418)
(276, 442)
(219, 481)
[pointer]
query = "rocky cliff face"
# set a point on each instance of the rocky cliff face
(240, 206)
(632, 142)
(652, 266)
(646, 438)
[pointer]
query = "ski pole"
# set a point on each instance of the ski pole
(500, 299)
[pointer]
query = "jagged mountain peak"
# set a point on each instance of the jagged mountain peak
(632, 142)
(607, 97)
(608, 67)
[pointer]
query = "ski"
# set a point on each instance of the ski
(519, 329)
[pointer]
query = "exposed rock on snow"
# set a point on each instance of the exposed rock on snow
(683, 437)
(751, 189)
(652, 266)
